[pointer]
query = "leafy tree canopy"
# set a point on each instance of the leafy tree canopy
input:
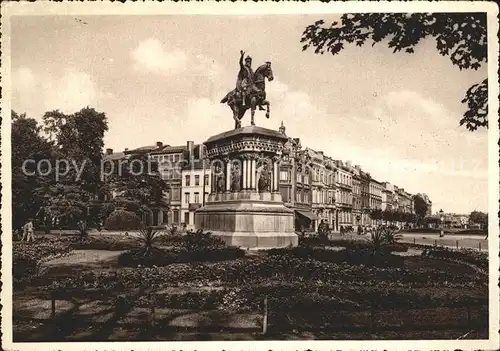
(420, 205)
(78, 142)
(28, 149)
(460, 36)
(478, 217)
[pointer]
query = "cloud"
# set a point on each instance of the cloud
(23, 80)
(71, 92)
(151, 56)
(37, 93)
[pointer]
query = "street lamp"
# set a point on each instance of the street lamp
(442, 222)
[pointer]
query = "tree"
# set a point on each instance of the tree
(460, 36)
(28, 149)
(78, 141)
(480, 218)
(421, 207)
(388, 215)
(376, 214)
(138, 186)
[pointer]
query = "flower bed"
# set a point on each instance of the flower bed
(300, 297)
(105, 243)
(160, 257)
(474, 257)
(257, 270)
(27, 258)
(353, 254)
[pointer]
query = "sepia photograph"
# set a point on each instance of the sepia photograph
(250, 173)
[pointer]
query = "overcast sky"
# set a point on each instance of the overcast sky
(161, 79)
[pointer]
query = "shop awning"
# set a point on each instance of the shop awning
(307, 214)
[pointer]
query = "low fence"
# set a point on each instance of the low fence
(276, 319)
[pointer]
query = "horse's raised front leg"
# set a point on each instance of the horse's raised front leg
(268, 109)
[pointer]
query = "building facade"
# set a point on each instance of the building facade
(295, 184)
(387, 196)
(319, 188)
(344, 198)
(357, 207)
(365, 198)
(375, 196)
(195, 183)
(172, 159)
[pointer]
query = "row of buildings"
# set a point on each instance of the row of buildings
(316, 186)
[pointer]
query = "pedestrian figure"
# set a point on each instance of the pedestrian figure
(25, 232)
(29, 231)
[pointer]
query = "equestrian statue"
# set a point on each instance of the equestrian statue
(250, 91)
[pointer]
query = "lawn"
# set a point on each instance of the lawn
(308, 297)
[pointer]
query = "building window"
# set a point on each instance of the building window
(197, 198)
(206, 179)
(176, 195)
(196, 180)
(284, 175)
(186, 198)
(186, 217)
(176, 158)
(176, 216)
(188, 180)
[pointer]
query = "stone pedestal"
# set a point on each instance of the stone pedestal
(245, 207)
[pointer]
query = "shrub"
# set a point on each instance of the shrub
(122, 220)
(201, 241)
(156, 257)
(147, 237)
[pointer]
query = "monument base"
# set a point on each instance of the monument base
(249, 223)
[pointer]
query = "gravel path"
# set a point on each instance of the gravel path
(91, 257)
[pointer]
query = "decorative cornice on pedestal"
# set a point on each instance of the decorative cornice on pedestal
(245, 140)
(248, 131)
(269, 146)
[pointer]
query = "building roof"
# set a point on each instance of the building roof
(115, 156)
(170, 150)
(142, 149)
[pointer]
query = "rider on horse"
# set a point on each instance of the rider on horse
(245, 77)
(245, 85)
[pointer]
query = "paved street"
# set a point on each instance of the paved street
(476, 242)
(464, 241)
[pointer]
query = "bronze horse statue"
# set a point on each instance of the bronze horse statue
(256, 96)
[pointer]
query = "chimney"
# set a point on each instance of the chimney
(109, 151)
(190, 149)
(126, 149)
(201, 151)
(159, 144)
